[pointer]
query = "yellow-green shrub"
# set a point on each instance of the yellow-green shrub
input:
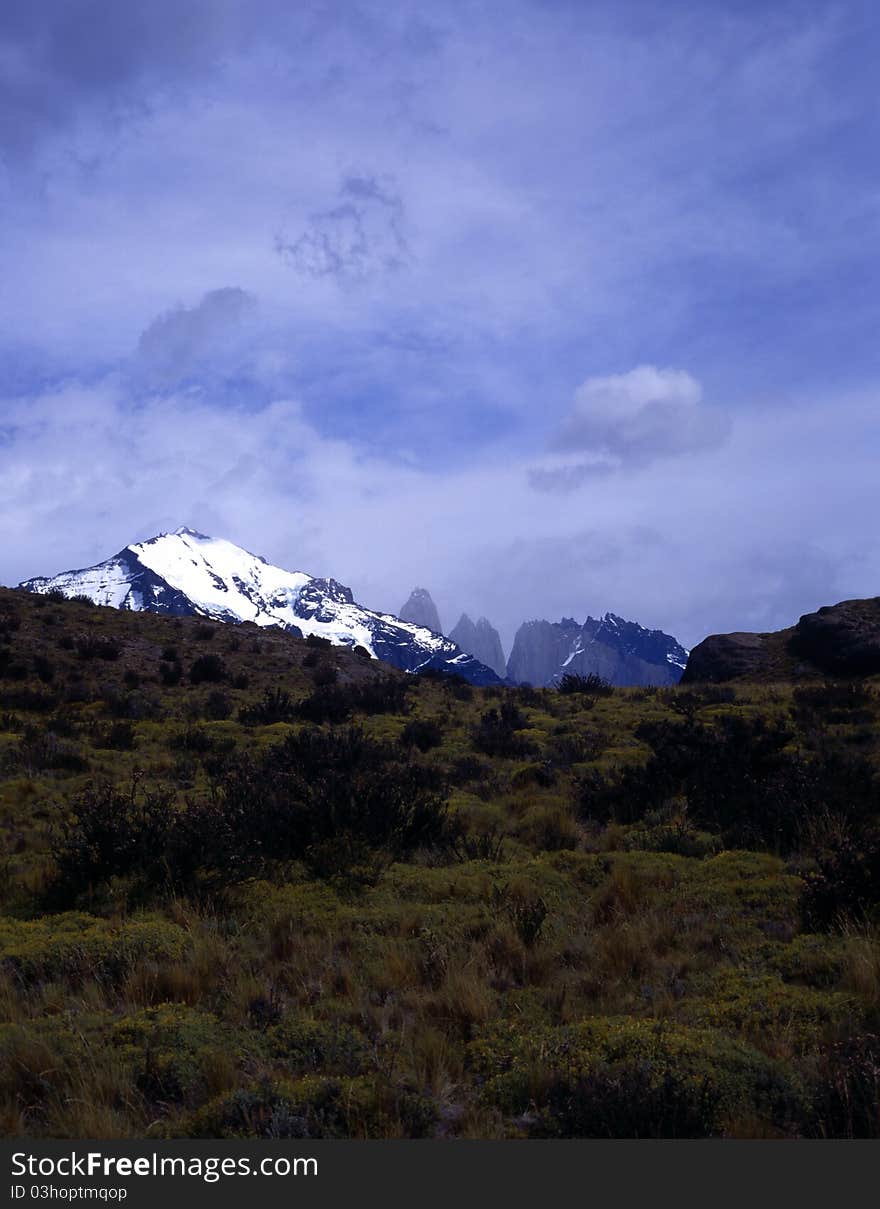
(73, 945)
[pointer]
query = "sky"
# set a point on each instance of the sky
(549, 307)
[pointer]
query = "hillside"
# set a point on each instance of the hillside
(260, 885)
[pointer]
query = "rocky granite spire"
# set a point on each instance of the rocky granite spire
(481, 636)
(421, 610)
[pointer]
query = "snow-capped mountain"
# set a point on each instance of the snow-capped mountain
(621, 651)
(186, 573)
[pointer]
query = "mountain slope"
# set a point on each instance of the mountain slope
(186, 573)
(481, 640)
(620, 651)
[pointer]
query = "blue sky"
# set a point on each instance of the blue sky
(550, 307)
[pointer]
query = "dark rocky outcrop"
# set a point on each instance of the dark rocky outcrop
(421, 610)
(481, 640)
(726, 657)
(841, 639)
(837, 640)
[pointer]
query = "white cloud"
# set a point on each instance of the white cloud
(635, 418)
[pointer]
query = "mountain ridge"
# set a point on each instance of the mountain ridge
(187, 573)
(622, 652)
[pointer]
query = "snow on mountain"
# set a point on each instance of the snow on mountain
(186, 573)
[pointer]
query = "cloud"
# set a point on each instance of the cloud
(641, 415)
(186, 341)
(629, 419)
(361, 234)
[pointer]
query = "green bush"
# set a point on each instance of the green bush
(625, 1077)
(317, 1108)
(175, 1052)
(77, 946)
(307, 1046)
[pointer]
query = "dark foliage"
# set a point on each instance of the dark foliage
(423, 733)
(324, 674)
(170, 674)
(337, 802)
(833, 703)
(218, 706)
(112, 832)
(846, 1090)
(276, 705)
(590, 685)
(96, 646)
(208, 669)
(738, 778)
(120, 736)
(498, 733)
(30, 699)
(627, 1101)
(335, 703)
(845, 884)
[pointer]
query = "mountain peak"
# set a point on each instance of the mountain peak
(186, 573)
(482, 641)
(621, 651)
(186, 531)
(421, 610)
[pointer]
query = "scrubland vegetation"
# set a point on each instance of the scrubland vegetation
(255, 886)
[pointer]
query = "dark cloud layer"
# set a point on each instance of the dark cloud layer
(200, 341)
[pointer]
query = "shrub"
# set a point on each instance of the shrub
(590, 685)
(193, 738)
(175, 1052)
(327, 704)
(845, 1085)
(218, 707)
(119, 737)
(845, 883)
(76, 946)
(43, 749)
(276, 705)
(111, 832)
(738, 778)
(338, 802)
(423, 733)
(208, 669)
(31, 700)
(327, 799)
(619, 1077)
(44, 668)
(317, 1108)
(170, 674)
(497, 733)
(97, 646)
(314, 1047)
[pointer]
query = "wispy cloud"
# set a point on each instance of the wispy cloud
(360, 234)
